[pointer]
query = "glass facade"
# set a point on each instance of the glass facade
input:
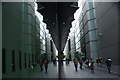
(85, 30)
(42, 38)
(26, 36)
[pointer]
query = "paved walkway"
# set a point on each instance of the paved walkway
(114, 69)
(68, 71)
(52, 72)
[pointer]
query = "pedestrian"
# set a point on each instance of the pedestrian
(46, 65)
(108, 64)
(87, 63)
(81, 63)
(100, 61)
(91, 65)
(97, 61)
(32, 66)
(76, 64)
(66, 60)
(41, 65)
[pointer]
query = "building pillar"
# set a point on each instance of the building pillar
(92, 27)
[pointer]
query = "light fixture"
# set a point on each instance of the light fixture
(100, 34)
(63, 22)
(41, 8)
(75, 6)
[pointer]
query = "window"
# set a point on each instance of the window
(29, 60)
(20, 65)
(3, 61)
(25, 59)
(13, 60)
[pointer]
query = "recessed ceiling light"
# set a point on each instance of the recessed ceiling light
(63, 22)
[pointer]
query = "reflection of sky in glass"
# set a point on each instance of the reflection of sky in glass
(77, 14)
(41, 26)
(41, 33)
(37, 13)
(44, 42)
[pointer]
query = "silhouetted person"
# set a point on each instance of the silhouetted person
(100, 61)
(87, 63)
(67, 60)
(81, 63)
(97, 61)
(41, 65)
(76, 64)
(108, 64)
(46, 65)
(54, 61)
(91, 65)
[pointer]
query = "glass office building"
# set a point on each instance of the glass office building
(91, 34)
(84, 31)
(25, 37)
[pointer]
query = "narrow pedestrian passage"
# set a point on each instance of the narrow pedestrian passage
(68, 71)
(59, 36)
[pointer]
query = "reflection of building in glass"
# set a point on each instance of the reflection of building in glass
(91, 34)
(84, 32)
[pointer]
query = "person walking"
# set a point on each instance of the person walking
(91, 65)
(66, 60)
(108, 64)
(100, 61)
(81, 63)
(46, 65)
(87, 63)
(97, 61)
(76, 64)
(41, 65)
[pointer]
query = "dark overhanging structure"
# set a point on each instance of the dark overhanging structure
(58, 17)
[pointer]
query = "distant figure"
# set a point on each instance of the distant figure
(91, 65)
(32, 66)
(87, 63)
(67, 60)
(100, 61)
(41, 65)
(81, 63)
(75, 64)
(97, 61)
(46, 65)
(108, 64)
(54, 61)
